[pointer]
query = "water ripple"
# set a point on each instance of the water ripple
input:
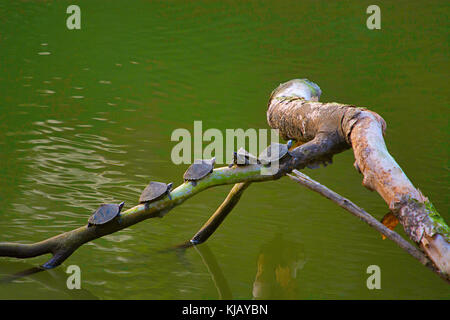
(72, 167)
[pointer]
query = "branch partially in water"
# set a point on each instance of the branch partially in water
(360, 213)
(63, 245)
(324, 129)
(334, 127)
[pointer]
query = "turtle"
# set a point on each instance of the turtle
(274, 152)
(155, 191)
(105, 213)
(198, 170)
(243, 158)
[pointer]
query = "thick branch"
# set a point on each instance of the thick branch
(324, 130)
(63, 245)
(330, 128)
(420, 220)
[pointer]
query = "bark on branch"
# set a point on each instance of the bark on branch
(364, 216)
(63, 245)
(333, 127)
(321, 130)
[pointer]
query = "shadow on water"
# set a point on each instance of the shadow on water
(278, 263)
(210, 261)
(180, 252)
(21, 274)
(18, 280)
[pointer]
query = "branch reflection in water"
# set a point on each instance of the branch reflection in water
(19, 280)
(278, 263)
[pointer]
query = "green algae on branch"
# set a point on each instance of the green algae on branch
(335, 127)
(438, 222)
(63, 245)
(421, 216)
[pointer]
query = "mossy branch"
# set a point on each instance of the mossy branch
(63, 245)
(324, 130)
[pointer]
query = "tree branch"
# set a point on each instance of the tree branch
(219, 215)
(322, 130)
(329, 128)
(63, 245)
(346, 204)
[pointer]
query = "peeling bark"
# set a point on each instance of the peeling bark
(335, 127)
(382, 174)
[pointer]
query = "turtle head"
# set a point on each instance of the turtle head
(290, 143)
(121, 205)
(302, 88)
(213, 161)
(169, 186)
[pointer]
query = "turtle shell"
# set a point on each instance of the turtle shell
(274, 152)
(105, 213)
(243, 158)
(199, 169)
(154, 191)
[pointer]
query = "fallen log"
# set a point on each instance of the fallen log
(329, 128)
(320, 130)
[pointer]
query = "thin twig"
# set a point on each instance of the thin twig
(311, 184)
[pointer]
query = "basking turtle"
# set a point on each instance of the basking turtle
(105, 213)
(198, 170)
(274, 152)
(155, 191)
(243, 158)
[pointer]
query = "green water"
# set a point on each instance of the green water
(87, 115)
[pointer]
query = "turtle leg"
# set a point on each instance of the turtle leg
(234, 160)
(221, 213)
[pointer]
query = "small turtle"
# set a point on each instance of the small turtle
(274, 152)
(105, 213)
(243, 158)
(198, 170)
(155, 191)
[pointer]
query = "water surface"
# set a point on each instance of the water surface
(86, 118)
